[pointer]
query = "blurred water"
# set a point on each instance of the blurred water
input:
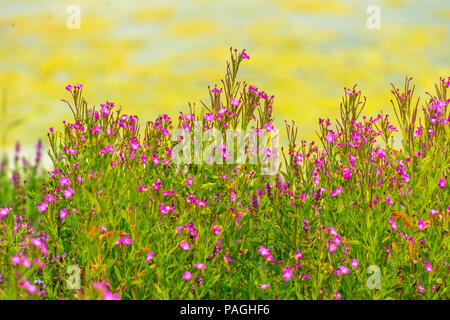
(156, 56)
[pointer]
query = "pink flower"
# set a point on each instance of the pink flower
(235, 102)
(330, 137)
(28, 286)
(142, 188)
(124, 240)
(209, 117)
(354, 263)
(184, 245)
(269, 127)
(433, 211)
(4, 211)
(200, 265)
(165, 209)
(149, 256)
(26, 262)
(134, 145)
(298, 256)
(287, 273)
(68, 193)
(42, 207)
(187, 276)
(105, 110)
(421, 288)
(63, 213)
(429, 267)
(103, 229)
(108, 295)
(227, 257)
(381, 153)
(264, 251)
(337, 295)
(331, 247)
(389, 201)
(442, 183)
(264, 286)
(244, 55)
(69, 87)
(189, 181)
(336, 192)
(64, 181)
(421, 224)
(16, 260)
(216, 230)
(341, 270)
(144, 158)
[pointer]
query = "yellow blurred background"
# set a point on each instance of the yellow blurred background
(154, 57)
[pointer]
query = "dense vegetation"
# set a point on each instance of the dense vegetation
(349, 217)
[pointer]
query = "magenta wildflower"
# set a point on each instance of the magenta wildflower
(269, 127)
(42, 207)
(421, 288)
(28, 286)
(227, 257)
(123, 240)
(381, 153)
(134, 145)
(389, 201)
(4, 211)
(421, 224)
(216, 230)
(200, 265)
(264, 286)
(244, 55)
(108, 295)
(64, 181)
(337, 295)
(336, 192)
(341, 270)
(442, 183)
(331, 247)
(149, 256)
(235, 102)
(209, 117)
(287, 273)
(68, 193)
(16, 260)
(264, 251)
(187, 276)
(184, 245)
(63, 213)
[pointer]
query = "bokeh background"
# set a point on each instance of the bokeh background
(154, 57)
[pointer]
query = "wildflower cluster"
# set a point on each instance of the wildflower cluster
(141, 225)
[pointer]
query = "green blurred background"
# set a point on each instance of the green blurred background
(154, 57)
